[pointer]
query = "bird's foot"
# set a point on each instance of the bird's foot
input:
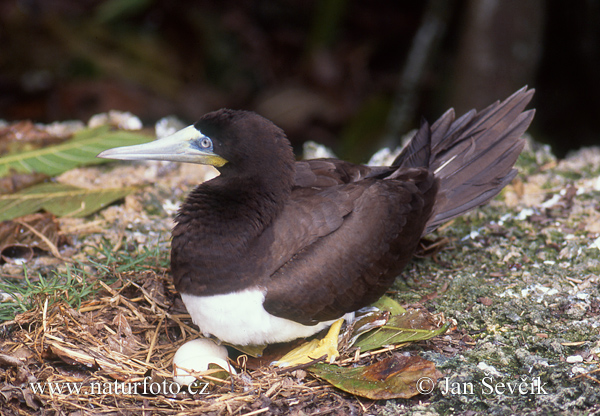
(314, 349)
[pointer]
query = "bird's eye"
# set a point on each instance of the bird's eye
(206, 143)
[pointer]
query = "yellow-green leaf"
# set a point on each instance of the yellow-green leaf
(406, 327)
(388, 304)
(78, 151)
(59, 199)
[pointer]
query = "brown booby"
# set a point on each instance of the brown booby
(273, 249)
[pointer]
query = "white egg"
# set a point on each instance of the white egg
(196, 355)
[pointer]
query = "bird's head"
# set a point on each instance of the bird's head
(230, 140)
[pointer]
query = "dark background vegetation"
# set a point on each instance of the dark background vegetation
(350, 74)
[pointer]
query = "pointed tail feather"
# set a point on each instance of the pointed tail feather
(472, 156)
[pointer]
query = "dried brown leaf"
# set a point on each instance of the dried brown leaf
(18, 239)
(395, 377)
(18, 181)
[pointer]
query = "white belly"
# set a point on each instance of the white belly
(239, 318)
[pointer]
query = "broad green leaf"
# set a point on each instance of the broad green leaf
(407, 327)
(78, 151)
(59, 199)
(396, 377)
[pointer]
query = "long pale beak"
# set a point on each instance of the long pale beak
(187, 145)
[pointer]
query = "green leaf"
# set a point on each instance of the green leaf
(395, 377)
(407, 327)
(78, 151)
(390, 305)
(59, 199)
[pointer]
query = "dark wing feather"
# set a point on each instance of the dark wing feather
(380, 227)
(310, 214)
(329, 172)
(318, 204)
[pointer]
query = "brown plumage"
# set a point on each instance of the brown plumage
(320, 238)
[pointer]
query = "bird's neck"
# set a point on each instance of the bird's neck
(218, 228)
(223, 223)
(249, 204)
